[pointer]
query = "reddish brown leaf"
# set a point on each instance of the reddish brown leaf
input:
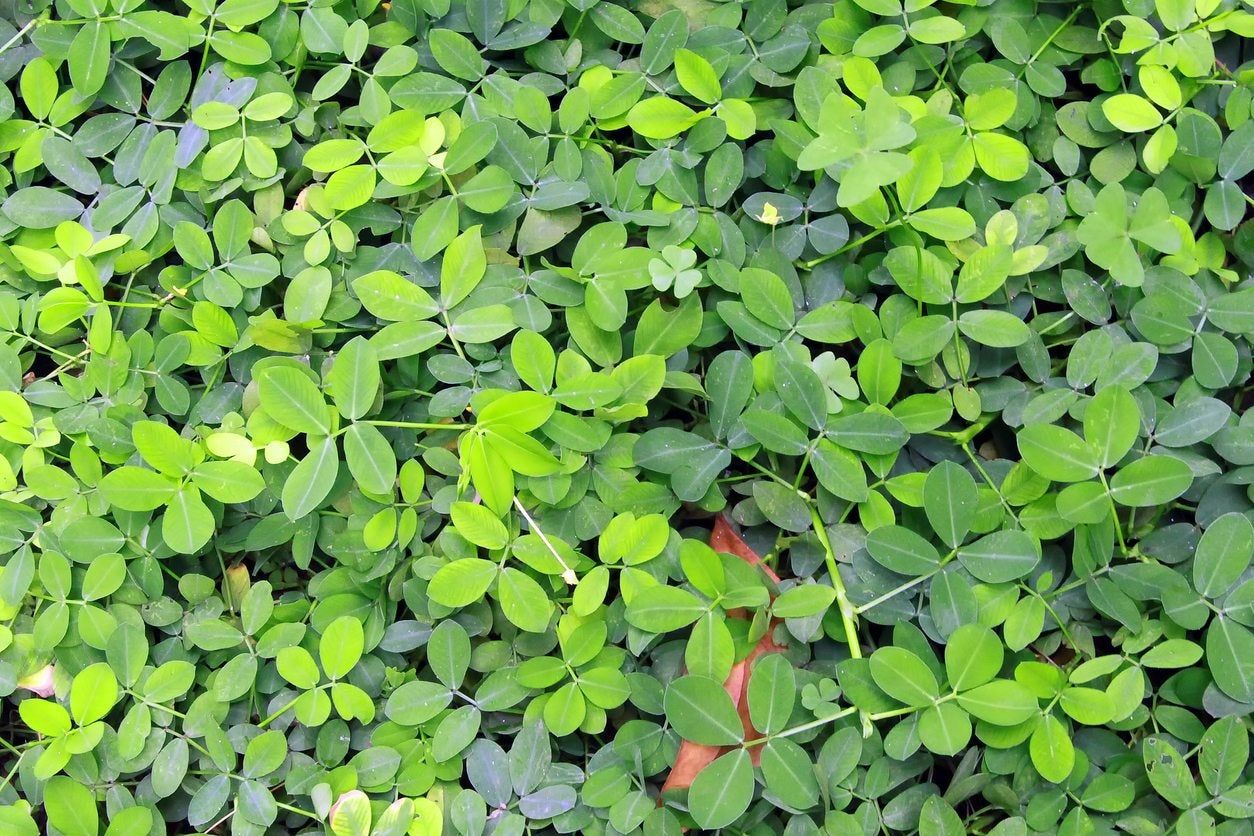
(725, 539)
(693, 757)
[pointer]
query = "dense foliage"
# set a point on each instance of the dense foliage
(509, 416)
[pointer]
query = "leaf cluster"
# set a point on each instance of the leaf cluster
(626, 416)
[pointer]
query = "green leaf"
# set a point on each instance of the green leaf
(350, 187)
(187, 523)
(340, 647)
(391, 297)
(1223, 554)
(370, 459)
(936, 30)
(264, 754)
(937, 818)
(871, 431)
(297, 667)
(292, 399)
(722, 791)
(973, 656)
(71, 807)
(311, 481)
(789, 773)
(900, 550)
(1058, 453)
(1172, 653)
(661, 117)
(1109, 792)
(1001, 556)
(1153, 480)
(229, 482)
(521, 411)
(463, 267)
(1230, 656)
(39, 207)
(455, 53)
(1051, 749)
(93, 693)
(661, 609)
(697, 76)
(950, 501)
(803, 601)
(699, 710)
(903, 676)
(802, 391)
(771, 693)
(354, 379)
(839, 471)
(998, 329)
(710, 651)
(136, 489)
(944, 729)
(1001, 157)
(1112, 424)
(462, 582)
(945, 224)
(523, 601)
(89, 57)
(1087, 705)
(479, 525)
(565, 710)
(455, 732)
(1002, 702)
(879, 372)
(416, 702)
(1130, 113)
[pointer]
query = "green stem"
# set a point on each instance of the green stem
(847, 612)
(964, 436)
(805, 727)
(814, 262)
(892, 593)
(1114, 514)
(775, 477)
(448, 326)
(966, 448)
(7, 778)
(845, 712)
(292, 809)
(1048, 41)
(415, 425)
(276, 715)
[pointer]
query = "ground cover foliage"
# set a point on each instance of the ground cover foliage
(513, 416)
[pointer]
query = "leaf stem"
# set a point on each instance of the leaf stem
(1114, 514)
(292, 809)
(805, 727)
(1050, 40)
(415, 425)
(892, 593)
(814, 262)
(975, 460)
(766, 471)
(847, 611)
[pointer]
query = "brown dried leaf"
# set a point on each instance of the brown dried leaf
(693, 757)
